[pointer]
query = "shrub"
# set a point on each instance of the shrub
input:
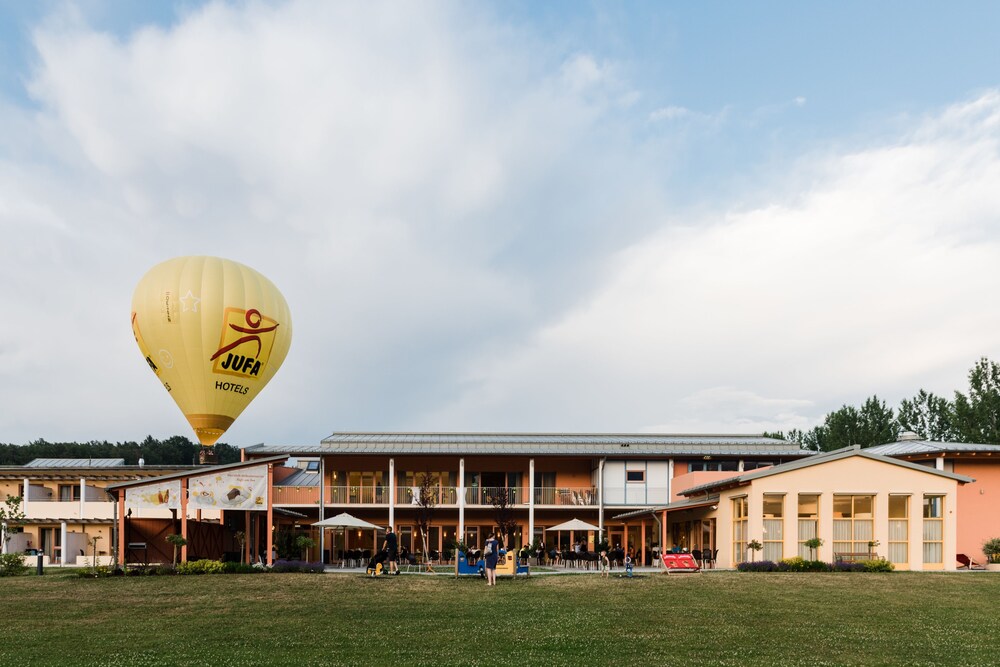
(992, 549)
(758, 566)
(203, 566)
(799, 564)
(239, 568)
(878, 565)
(12, 565)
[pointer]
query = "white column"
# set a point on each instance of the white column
(392, 493)
(322, 499)
(600, 497)
(3, 538)
(461, 499)
(939, 462)
(670, 482)
(83, 495)
(24, 500)
(63, 549)
(531, 502)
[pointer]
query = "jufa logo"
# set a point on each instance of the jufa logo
(247, 339)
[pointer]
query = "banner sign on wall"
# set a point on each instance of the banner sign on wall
(161, 495)
(242, 489)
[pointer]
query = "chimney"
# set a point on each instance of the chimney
(908, 435)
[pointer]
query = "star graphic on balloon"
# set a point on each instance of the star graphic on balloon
(193, 307)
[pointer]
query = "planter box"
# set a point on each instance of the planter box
(993, 567)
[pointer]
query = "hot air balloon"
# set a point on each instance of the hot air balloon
(215, 332)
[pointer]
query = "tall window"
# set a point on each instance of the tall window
(774, 526)
(933, 529)
(853, 523)
(808, 523)
(739, 529)
(69, 492)
(899, 529)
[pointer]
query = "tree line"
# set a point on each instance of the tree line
(970, 417)
(177, 450)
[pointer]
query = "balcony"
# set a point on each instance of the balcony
(357, 495)
(409, 495)
(58, 510)
(406, 496)
(566, 496)
(296, 495)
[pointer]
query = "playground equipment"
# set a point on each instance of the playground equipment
(509, 566)
(462, 565)
(677, 563)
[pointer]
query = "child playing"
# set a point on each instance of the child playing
(605, 565)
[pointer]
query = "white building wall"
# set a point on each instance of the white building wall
(614, 483)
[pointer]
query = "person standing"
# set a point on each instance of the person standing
(391, 546)
(491, 554)
(605, 565)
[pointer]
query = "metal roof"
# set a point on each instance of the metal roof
(911, 447)
(688, 503)
(113, 489)
(550, 444)
(74, 463)
(300, 478)
(825, 457)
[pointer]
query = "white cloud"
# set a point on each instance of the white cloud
(669, 113)
(396, 182)
(868, 279)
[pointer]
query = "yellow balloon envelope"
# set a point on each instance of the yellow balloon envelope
(215, 332)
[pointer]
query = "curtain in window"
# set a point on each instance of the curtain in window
(933, 541)
(774, 535)
(899, 532)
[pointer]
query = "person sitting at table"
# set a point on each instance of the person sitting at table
(406, 557)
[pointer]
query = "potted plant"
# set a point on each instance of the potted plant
(754, 546)
(241, 539)
(177, 541)
(813, 544)
(991, 548)
(304, 543)
(872, 544)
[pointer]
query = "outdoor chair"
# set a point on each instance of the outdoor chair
(409, 561)
(968, 564)
(697, 555)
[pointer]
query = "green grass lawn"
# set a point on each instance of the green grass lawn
(722, 618)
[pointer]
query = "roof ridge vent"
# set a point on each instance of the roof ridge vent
(907, 436)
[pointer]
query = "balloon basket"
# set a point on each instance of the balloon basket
(206, 456)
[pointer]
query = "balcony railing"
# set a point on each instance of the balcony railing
(564, 496)
(481, 496)
(296, 495)
(357, 495)
(487, 495)
(409, 495)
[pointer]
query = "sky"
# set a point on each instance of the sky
(665, 217)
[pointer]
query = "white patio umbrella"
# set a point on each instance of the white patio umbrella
(574, 524)
(345, 521)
